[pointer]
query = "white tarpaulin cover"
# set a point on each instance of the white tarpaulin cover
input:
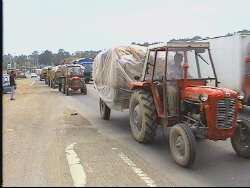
(113, 69)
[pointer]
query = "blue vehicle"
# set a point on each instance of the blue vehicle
(87, 63)
(6, 83)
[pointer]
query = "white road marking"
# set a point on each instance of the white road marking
(137, 170)
(77, 172)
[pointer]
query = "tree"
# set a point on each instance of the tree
(46, 58)
(244, 31)
(20, 61)
(7, 59)
(60, 56)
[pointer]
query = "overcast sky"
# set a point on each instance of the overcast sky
(97, 24)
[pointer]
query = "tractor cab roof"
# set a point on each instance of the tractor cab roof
(179, 44)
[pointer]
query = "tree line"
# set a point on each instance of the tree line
(46, 58)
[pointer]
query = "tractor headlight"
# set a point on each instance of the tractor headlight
(203, 97)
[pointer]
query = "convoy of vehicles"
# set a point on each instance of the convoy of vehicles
(201, 109)
(195, 100)
(68, 78)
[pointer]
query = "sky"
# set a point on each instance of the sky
(79, 25)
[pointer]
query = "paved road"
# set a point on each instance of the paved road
(54, 140)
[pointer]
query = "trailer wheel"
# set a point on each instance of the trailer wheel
(142, 114)
(182, 145)
(104, 110)
(241, 140)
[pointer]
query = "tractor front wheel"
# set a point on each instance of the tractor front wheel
(142, 114)
(67, 91)
(64, 89)
(241, 140)
(104, 110)
(60, 87)
(84, 89)
(182, 145)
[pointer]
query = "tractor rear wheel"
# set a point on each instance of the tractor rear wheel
(142, 114)
(104, 110)
(182, 145)
(241, 140)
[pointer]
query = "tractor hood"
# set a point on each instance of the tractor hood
(195, 92)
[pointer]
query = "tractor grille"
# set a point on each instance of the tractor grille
(225, 113)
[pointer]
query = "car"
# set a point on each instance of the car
(6, 83)
(21, 75)
(33, 75)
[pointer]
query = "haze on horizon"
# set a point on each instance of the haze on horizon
(79, 25)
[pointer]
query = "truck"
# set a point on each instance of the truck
(231, 54)
(174, 86)
(87, 63)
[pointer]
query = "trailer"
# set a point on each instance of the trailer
(231, 56)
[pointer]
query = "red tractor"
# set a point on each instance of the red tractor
(178, 89)
(73, 79)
